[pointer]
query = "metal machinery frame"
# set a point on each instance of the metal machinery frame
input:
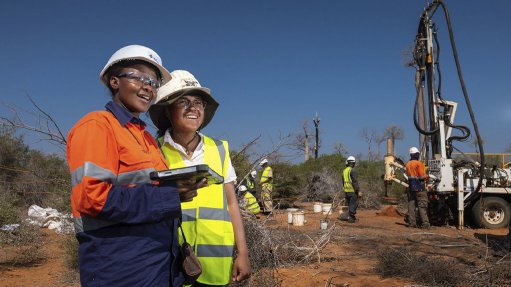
(434, 120)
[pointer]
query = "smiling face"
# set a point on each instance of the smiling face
(186, 117)
(130, 92)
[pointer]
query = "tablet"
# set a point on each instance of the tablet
(196, 172)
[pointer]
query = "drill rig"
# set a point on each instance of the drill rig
(456, 182)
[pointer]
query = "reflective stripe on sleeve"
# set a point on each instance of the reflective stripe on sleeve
(91, 170)
(136, 176)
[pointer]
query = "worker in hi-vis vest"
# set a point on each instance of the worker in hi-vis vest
(351, 188)
(266, 183)
(211, 222)
(248, 200)
(251, 182)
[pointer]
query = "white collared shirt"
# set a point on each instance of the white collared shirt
(198, 155)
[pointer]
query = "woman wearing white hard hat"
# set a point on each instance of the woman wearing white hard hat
(211, 221)
(126, 224)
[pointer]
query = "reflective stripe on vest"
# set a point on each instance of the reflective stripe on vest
(348, 184)
(206, 221)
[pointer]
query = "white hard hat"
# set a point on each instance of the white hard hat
(263, 161)
(414, 150)
(253, 173)
(350, 159)
(182, 83)
(242, 188)
(136, 52)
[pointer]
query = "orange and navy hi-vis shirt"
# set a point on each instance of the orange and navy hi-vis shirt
(126, 225)
(416, 172)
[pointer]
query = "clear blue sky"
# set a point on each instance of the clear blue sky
(270, 64)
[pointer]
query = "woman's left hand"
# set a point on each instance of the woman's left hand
(240, 268)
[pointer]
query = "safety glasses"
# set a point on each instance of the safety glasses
(145, 80)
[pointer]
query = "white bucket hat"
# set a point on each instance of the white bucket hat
(136, 52)
(182, 83)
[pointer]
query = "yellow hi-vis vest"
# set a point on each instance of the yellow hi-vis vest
(250, 184)
(267, 178)
(348, 184)
(206, 221)
(250, 202)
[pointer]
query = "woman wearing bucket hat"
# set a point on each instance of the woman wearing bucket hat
(211, 221)
(126, 225)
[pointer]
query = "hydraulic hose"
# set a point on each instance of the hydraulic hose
(420, 54)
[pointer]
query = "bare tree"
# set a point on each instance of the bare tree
(394, 133)
(306, 140)
(369, 135)
(339, 148)
(41, 124)
(316, 146)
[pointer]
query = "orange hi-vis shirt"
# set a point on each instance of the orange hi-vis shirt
(101, 152)
(416, 172)
(126, 224)
(415, 168)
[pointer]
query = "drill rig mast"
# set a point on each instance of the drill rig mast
(461, 179)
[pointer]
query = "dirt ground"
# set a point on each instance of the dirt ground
(348, 259)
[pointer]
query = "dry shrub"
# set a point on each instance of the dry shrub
(323, 186)
(25, 242)
(271, 248)
(423, 269)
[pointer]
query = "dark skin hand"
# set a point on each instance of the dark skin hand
(187, 189)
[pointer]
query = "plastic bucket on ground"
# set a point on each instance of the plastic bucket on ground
(298, 218)
(317, 207)
(327, 208)
(323, 224)
(290, 214)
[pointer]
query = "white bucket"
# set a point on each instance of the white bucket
(317, 207)
(323, 224)
(327, 208)
(344, 212)
(298, 218)
(290, 214)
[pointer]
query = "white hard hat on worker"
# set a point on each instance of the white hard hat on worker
(414, 150)
(350, 159)
(136, 52)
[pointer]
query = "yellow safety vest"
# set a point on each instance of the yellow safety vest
(206, 221)
(250, 183)
(251, 203)
(265, 178)
(348, 184)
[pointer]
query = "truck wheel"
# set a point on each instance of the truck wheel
(492, 212)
